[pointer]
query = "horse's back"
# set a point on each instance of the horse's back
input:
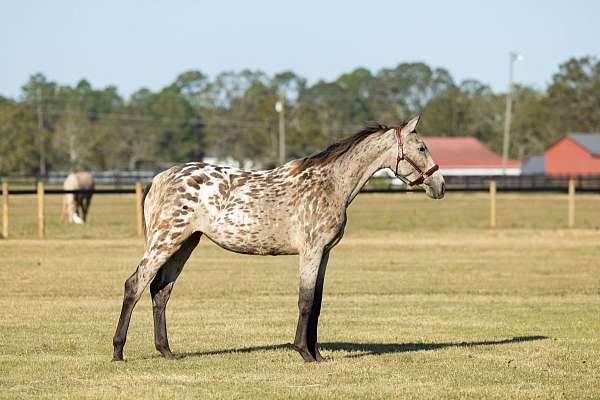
(85, 179)
(79, 181)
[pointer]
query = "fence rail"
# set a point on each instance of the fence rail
(377, 185)
(61, 191)
(41, 192)
(504, 183)
(112, 178)
(123, 183)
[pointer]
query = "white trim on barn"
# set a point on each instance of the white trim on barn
(455, 171)
(480, 171)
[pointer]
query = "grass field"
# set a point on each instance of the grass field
(421, 301)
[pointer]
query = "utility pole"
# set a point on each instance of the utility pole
(513, 56)
(280, 108)
(40, 119)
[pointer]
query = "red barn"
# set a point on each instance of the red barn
(464, 155)
(574, 154)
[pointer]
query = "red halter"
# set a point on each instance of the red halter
(422, 175)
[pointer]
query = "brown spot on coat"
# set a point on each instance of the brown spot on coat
(193, 183)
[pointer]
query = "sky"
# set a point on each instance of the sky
(134, 44)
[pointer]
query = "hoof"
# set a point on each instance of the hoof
(117, 359)
(165, 352)
(318, 356)
(306, 356)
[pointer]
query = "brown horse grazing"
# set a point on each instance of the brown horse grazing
(297, 208)
(76, 205)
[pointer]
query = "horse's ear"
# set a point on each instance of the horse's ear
(412, 124)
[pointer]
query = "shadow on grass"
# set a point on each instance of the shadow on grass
(366, 349)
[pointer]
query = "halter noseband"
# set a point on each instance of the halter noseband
(422, 175)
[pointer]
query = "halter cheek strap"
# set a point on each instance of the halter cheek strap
(401, 157)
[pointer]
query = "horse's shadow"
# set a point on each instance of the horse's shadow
(367, 349)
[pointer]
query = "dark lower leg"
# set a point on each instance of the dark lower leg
(313, 321)
(84, 209)
(305, 303)
(311, 336)
(130, 298)
(160, 297)
(161, 288)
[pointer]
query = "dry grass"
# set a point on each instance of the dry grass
(419, 303)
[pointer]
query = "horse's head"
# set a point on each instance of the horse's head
(413, 163)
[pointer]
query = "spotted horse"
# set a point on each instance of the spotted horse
(297, 208)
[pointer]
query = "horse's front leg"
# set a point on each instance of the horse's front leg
(313, 320)
(312, 273)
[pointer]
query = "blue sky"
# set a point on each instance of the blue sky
(135, 44)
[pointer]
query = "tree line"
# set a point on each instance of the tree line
(233, 115)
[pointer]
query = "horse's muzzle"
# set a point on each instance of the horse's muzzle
(435, 187)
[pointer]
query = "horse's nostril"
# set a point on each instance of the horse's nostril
(442, 190)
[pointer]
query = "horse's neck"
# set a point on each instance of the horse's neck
(356, 167)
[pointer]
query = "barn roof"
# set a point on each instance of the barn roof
(464, 151)
(589, 141)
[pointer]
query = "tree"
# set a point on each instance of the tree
(470, 109)
(529, 128)
(19, 151)
(405, 90)
(79, 133)
(573, 98)
(192, 85)
(232, 115)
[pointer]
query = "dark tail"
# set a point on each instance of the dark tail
(144, 194)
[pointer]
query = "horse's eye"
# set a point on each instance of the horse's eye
(422, 149)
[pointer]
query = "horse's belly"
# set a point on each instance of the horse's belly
(252, 237)
(247, 243)
(251, 229)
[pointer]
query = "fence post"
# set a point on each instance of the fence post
(4, 208)
(138, 208)
(571, 202)
(40, 207)
(492, 204)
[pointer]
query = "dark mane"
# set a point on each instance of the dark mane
(336, 150)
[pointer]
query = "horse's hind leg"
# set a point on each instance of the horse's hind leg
(87, 199)
(155, 256)
(161, 288)
(78, 209)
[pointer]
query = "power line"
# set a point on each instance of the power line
(378, 95)
(210, 122)
(151, 119)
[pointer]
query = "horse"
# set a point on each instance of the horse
(297, 208)
(76, 205)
